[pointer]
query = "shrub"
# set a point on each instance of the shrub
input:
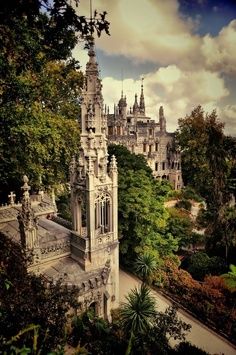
(187, 348)
(185, 204)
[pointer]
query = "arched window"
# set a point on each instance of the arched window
(103, 213)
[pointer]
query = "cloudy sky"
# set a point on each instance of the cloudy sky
(185, 51)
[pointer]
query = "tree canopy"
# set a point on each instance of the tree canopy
(27, 299)
(208, 156)
(142, 215)
(40, 88)
(208, 162)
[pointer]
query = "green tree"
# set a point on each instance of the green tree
(166, 326)
(200, 264)
(32, 301)
(142, 215)
(208, 158)
(127, 160)
(230, 278)
(205, 155)
(180, 225)
(137, 315)
(187, 348)
(145, 266)
(40, 85)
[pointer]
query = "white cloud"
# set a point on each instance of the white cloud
(191, 67)
(219, 52)
(155, 30)
(228, 115)
(150, 30)
(177, 90)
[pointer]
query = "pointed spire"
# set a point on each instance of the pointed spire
(142, 101)
(135, 106)
(92, 65)
(27, 219)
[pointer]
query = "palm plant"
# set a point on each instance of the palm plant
(230, 278)
(144, 266)
(137, 315)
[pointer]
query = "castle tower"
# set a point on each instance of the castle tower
(162, 120)
(135, 105)
(122, 106)
(28, 224)
(142, 101)
(94, 188)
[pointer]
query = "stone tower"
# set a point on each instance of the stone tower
(142, 101)
(28, 224)
(94, 189)
(162, 120)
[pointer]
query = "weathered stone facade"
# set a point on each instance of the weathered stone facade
(85, 254)
(143, 135)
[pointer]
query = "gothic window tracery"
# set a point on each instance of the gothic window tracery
(103, 213)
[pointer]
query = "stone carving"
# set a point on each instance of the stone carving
(11, 198)
(27, 219)
(55, 249)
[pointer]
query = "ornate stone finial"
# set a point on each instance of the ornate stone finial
(135, 106)
(26, 188)
(113, 164)
(27, 219)
(12, 198)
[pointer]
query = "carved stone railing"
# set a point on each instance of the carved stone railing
(55, 249)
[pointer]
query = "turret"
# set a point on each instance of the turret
(122, 105)
(135, 106)
(162, 120)
(92, 101)
(28, 224)
(142, 101)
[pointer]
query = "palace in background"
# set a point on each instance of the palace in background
(143, 135)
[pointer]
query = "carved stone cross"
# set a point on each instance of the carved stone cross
(12, 198)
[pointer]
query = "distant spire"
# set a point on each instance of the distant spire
(135, 106)
(142, 102)
(122, 104)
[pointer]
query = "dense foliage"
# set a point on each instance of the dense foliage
(27, 299)
(40, 87)
(208, 163)
(137, 328)
(142, 216)
(207, 155)
(211, 300)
